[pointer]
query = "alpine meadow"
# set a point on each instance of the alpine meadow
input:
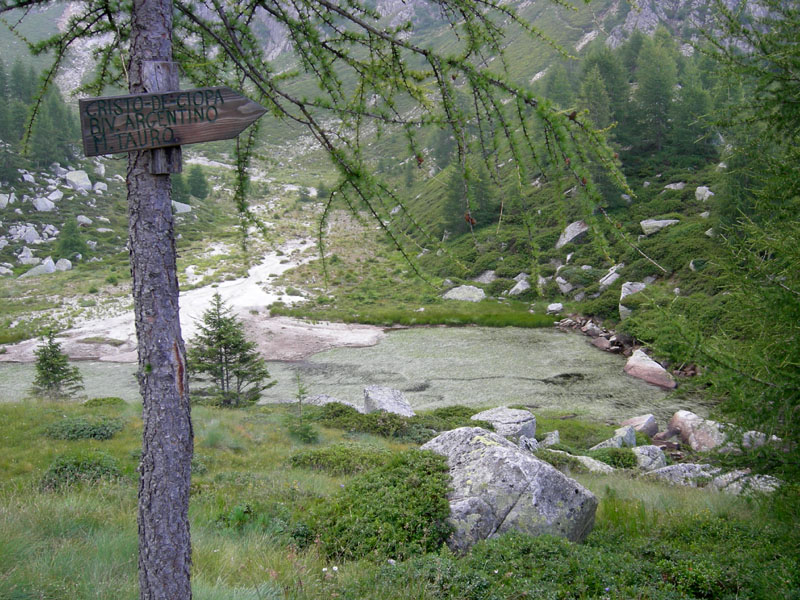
(399, 299)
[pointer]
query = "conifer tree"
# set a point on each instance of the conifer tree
(55, 378)
(196, 182)
(70, 241)
(594, 97)
(656, 75)
(180, 191)
(221, 353)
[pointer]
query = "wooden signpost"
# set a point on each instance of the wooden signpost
(160, 120)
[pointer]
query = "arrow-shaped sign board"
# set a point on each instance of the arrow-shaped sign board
(146, 121)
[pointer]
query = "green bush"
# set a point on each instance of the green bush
(107, 401)
(82, 428)
(79, 467)
(341, 459)
(563, 462)
(394, 511)
(301, 429)
(418, 429)
(619, 458)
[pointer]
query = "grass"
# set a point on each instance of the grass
(249, 500)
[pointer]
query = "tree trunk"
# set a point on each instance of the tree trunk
(164, 545)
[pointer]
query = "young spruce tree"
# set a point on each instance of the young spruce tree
(221, 354)
(55, 378)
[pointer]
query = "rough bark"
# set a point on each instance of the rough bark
(164, 544)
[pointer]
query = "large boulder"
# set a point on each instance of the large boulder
(47, 267)
(610, 277)
(574, 232)
(180, 208)
(650, 458)
(643, 367)
(496, 488)
(6, 199)
(79, 180)
(43, 204)
(652, 225)
(699, 433)
(703, 193)
(742, 482)
(554, 308)
(465, 293)
(55, 195)
(519, 288)
(509, 421)
(628, 289)
(688, 474)
(486, 277)
(63, 264)
(384, 399)
(26, 257)
(645, 423)
(624, 436)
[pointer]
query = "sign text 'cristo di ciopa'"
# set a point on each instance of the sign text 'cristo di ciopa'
(146, 121)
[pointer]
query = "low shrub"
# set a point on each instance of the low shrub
(79, 467)
(394, 511)
(418, 429)
(341, 459)
(619, 458)
(301, 429)
(82, 428)
(101, 402)
(563, 462)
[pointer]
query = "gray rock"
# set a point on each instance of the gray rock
(521, 277)
(62, 264)
(528, 444)
(50, 231)
(610, 277)
(574, 232)
(509, 421)
(643, 367)
(45, 268)
(592, 464)
(496, 488)
(700, 434)
(703, 193)
(688, 474)
(705, 214)
(624, 436)
(323, 399)
(628, 289)
(741, 482)
(6, 199)
(650, 458)
(83, 220)
(3, 243)
(27, 234)
(563, 285)
(591, 329)
(465, 293)
(485, 277)
(180, 208)
(28, 178)
(104, 230)
(100, 186)
(710, 232)
(384, 399)
(43, 204)
(26, 257)
(79, 181)
(555, 308)
(676, 186)
(100, 169)
(5, 271)
(55, 195)
(520, 288)
(645, 423)
(652, 225)
(551, 439)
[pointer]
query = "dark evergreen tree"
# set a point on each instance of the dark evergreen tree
(594, 97)
(557, 86)
(690, 115)
(656, 75)
(3, 82)
(55, 378)
(21, 83)
(615, 80)
(70, 241)
(197, 183)
(221, 353)
(180, 191)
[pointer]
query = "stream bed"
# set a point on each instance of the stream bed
(549, 370)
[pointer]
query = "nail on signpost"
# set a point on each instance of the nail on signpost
(145, 121)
